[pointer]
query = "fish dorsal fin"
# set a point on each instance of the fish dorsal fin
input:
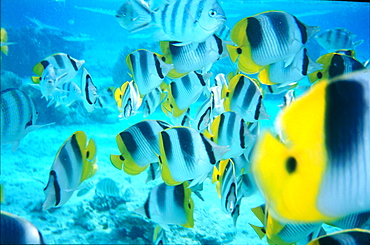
(259, 230)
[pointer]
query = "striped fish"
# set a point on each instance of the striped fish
(170, 205)
(89, 90)
(148, 69)
(66, 94)
(74, 163)
(152, 100)
(186, 154)
(278, 73)
(337, 38)
(267, 38)
(138, 145)
(350, 236)
(230, 129)
(177, 20)
(128, 99)
(204, 115)
(335, 64)
(183, 92)
(244, 96)
(17, 230)
(330, 127)
(194, 56)
(18, 116)
(226, 186)
(62, 63)
(108, 187)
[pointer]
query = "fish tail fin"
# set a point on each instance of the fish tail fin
(4, 49)
(263, 76)
(259, 230)
(144, 16)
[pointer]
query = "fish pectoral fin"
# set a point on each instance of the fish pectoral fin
(259, 230)
(198, 180)
(289, 61)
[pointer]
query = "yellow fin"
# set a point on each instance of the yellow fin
(263, 76)
(2, 197)
(259, 230)
(189, 206)
(36, 80)
(165, 48)
(215, 175)
(260, 213)
(5, 49)
(38, 69)
(89, 167)
(173, 74)
(233, 52)
(116, 161)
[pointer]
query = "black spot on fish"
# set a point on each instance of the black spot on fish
(87, 154)
(319, 75)
(163, 59)
(263, 230)
(291, 165)
(254, 33)
(239, 50)
(258, 108)
(344, 120)
(121, 158)
(44, 63)
(227, 94)
(189, 205)
(305, 63)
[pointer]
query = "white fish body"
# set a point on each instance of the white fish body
(337, 38)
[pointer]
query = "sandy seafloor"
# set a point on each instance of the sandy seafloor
(92, 219)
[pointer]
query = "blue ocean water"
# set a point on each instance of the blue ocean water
(96, 37)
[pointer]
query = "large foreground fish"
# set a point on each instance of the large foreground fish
(74, 163)
(18, 116)
(318, 169)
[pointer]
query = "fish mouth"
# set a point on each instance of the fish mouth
(219, 19)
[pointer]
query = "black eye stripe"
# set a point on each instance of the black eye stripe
(291, 165)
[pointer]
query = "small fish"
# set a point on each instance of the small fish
(67, 94)
(345, 237)
(279, 73)
(185, 22)
(204, 117)
(74, 163)
(267, 38)
(138, 145)
(182, 92)
(106, 99)
(322, 146)
(230, 129)
(170, 205)
(186, 154)
(226, 186)
(17, 230)
(48, 81)
(244, 96)
(4, 41)
(108, 187)
(337, 38)
(128, 99)
(147, 68)
(18, 116)
(335, 64)
(62, 63)
(194, 56)
(89, 90)
(152, 100)
(288, 98)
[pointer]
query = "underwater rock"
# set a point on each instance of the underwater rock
(33, 45)
(9, 80)
(105, 203)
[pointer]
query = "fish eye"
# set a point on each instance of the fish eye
(189, 205)
(319, 75)
(263, 230)
(291, 164)
(87, 154)
(50, 81)
(164, 59)
(239, 50)
(212, 13)
(121, 158)
(118, 16)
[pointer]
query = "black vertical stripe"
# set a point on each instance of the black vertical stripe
(163, 124)
(158, 66)
(201, 80)
(129, 142)
(258, 108)
(238, 88)
(251, 90)
(56, 187)
(187, 146)
(167, 145)
(179, 196)
(344, 120)
(302, 29)
(209, 150)
(146, 208)
(219, 44)
(305, 62)
(44, 63)
(161, 196)
(87, 81)
(73, 62)
(59, 59)
(203, 116)
(241, 133)
(174, 90)
(254, 33)
(336, 66)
